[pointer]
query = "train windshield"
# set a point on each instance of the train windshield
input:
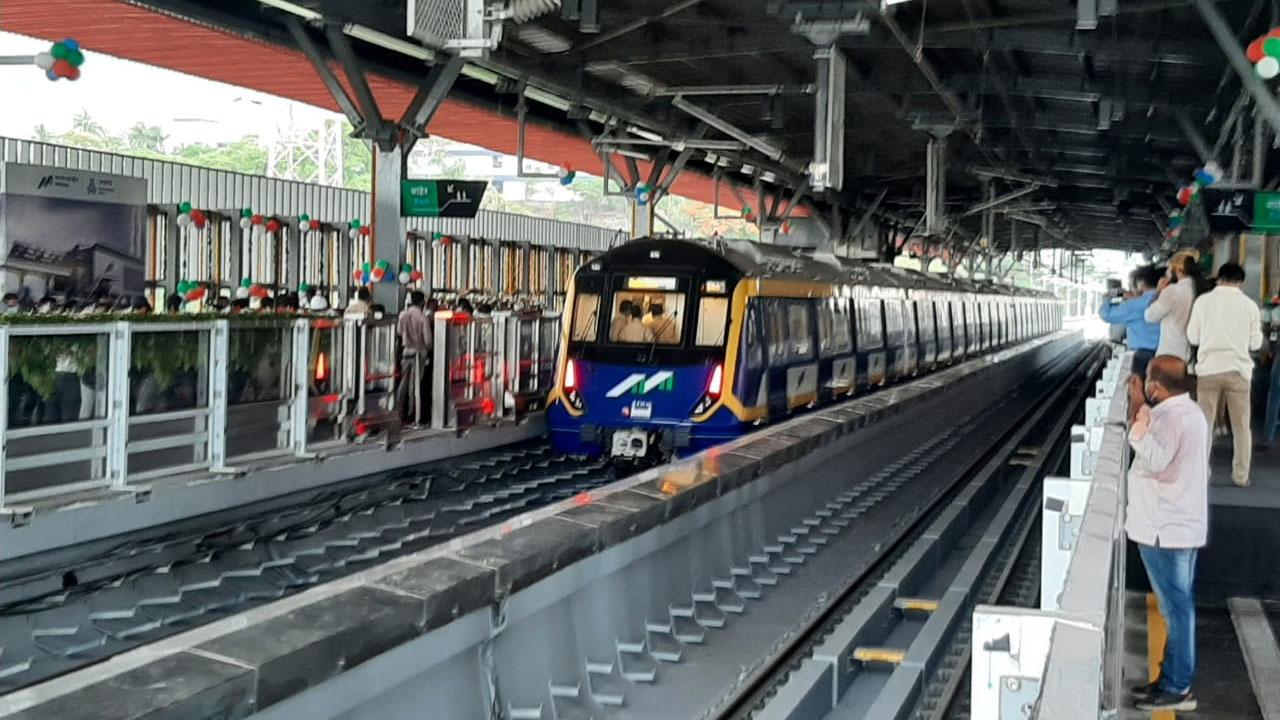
(645, 317)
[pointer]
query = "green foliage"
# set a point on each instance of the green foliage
(34, 358)
(165, 355)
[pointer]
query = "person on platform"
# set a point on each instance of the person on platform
(1167, 516)
(1175, 294)
(1226, 326)
(359, 308)
(414, 327)
(1141, 336)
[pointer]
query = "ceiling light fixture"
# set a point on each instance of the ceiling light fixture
(305, 13)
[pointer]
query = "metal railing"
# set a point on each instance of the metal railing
(113, 405)
(1064, 659)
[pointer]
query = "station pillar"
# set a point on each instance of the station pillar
(388, 224)
(641, 218)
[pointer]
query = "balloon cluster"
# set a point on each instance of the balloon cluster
(192, 290)
(643, 194)
(62, 61)
(249, 219)
(1203, 177)
(445, 240)
(249, 288)
(358, 231)
(307, 224)
(566, 174)
(408, 274)
(188, 215)
(1264, 53)
(748, 214)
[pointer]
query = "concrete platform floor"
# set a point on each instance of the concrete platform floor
(1222, 681)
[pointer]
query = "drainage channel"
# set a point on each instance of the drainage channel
(898, 647)
(719, 604)
(141, 592)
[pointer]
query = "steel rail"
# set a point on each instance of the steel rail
(752, 702)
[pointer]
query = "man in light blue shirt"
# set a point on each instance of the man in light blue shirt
(1141, 336)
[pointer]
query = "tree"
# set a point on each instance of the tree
(146, 138)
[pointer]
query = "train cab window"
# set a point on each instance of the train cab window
(586, 313)
(799, 331)
(752, 344)
(646, 316)
(713, 321)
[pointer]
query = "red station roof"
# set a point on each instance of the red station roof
(135, 33)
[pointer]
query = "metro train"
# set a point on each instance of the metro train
(669, 347)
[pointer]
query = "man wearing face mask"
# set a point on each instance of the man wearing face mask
(1168, 514)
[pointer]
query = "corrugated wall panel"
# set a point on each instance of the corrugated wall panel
(170, 183)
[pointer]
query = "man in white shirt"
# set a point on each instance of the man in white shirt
(1225, 327)
(1172, 307)
(1168, 515)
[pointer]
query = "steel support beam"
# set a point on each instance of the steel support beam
(1221, 31)
(856, 229)
(321, 65)
(430, 96)
(1194, 137)
(827, 168)
(692, 90)
(378, 130)
(765, 148)
(993, 202)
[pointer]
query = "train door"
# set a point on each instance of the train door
(836, 366)
(942, 313)
(871, 346)
(910, 338)
(750, 381)
(927, 332)
(774, 316)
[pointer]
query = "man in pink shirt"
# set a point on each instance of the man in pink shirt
(1168, 514)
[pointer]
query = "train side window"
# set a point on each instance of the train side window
(893, 324)
(775, 318)
(842, 343)
(586, 313)
(713, 320)
(924, 316)
(799, 330)
(909, 320)
(870, 330)
(826, 321)
(752, 347)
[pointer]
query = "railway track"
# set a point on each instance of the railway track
(139, 592)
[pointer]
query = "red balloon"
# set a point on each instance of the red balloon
(358, 275)
(74, 74)
(1254, 50)
(256, 220)
(1273, 32)
(314, 224)
(377, 274)
(195, 294)
(1184, 196)
(366, 231)
(273, 225)
(415, 276)
(63, 68)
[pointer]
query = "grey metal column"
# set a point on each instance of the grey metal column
(388, 225)
(170, 259)
(935, 184)
(292, 240)
(1226, 38)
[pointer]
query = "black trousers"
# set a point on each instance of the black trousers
(1141, 358)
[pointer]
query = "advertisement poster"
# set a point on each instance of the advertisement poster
(71, 231)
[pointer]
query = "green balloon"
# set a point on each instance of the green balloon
(183, 287)
(247, 212)
(407, 267)
(366, 267)
(303, 287)
(1271, 47)
(59, 51)
(246, 283)
(76, 58)
(355, 224)
(304, 219)
(184, 207)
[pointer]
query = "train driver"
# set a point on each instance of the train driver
(663, 328)
(620, 320)
(634, 331)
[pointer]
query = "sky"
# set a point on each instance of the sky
(119, 93)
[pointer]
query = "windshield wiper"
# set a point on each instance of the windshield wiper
(587, 326)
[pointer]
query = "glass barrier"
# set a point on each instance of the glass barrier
(259, 389)
(168, 380)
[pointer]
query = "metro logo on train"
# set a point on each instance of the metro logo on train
(674, 346)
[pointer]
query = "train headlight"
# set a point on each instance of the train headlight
(570, 384)
(714, 387)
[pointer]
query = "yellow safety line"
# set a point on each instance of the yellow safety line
(1156, 636)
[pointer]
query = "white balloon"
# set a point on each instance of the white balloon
(44, 61)
(403, 278)
(1267, 68)
(245, 223)
(354, 233)
(242, 293)
(184, 219)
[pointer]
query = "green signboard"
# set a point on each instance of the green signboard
(1266, 212)
(441, 198)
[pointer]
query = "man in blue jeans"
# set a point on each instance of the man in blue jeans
(1168, 515)
(1141, 336)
